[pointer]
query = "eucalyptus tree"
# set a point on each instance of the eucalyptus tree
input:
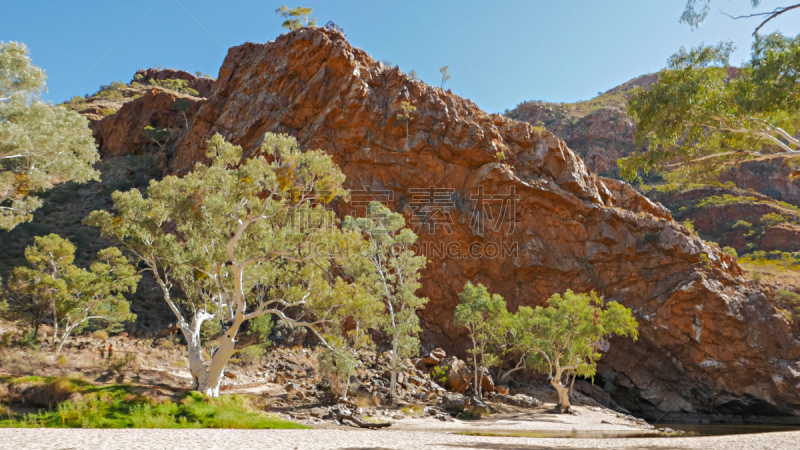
(563, 338)
(73, 295)
(482, 314)
(241, 238)
(390, 268)
(703, 116)
(41, 145)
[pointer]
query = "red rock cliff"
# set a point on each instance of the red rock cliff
(708, 344)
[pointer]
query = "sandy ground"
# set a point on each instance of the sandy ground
(356, 439)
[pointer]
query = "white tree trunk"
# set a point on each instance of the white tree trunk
(563, 391)
(393, 384)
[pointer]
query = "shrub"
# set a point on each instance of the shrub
(100, 335)
(251, 354)
(741, 224)
(730, 251)
(772, 219)
(689, 224)
(756, 277)
(109, 112)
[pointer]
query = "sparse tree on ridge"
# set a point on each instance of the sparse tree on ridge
(445, 71)
(241, 238)
(391, 270)
(296, 18)
(41, 145)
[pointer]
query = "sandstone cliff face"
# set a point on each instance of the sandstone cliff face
(122, 132)
(708, 344)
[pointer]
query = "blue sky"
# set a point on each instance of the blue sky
(500, 53)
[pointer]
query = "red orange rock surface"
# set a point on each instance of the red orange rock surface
(708, 343)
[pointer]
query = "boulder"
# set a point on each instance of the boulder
(453, 403)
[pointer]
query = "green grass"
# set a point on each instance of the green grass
(119, 406)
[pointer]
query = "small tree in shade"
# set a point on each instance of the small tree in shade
(483, 315)
(182, 105)
(445, 71)
(296, 18)
(564, 337)
(74, 295)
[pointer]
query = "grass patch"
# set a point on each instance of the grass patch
(119, 406)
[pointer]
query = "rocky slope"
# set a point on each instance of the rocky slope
(601, 132)
(527, 225)
(744, 220)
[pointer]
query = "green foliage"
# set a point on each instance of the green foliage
(118, 406)
(772, 219)
(741, 225)
(52, 285)
(296, 18)
(337, 364)
(699, 116)
(445, 71)
(730, 251)
(159, 136)
(563, 339)
(482, 313)
(689, 224)
(389, 269)
(246, 237)
(41, 145)
(404, 116)
(439, 374)
(251, 354)
(175, 84)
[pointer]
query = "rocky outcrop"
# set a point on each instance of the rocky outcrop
(528, 225)
(200, 84)
(122, 132)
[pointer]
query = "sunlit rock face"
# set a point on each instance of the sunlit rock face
(496, 202)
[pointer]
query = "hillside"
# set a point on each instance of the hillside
(573, 229)
(531, 223)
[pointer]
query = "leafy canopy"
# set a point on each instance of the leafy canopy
(564, 336)
(482, 314)
(702, 116)
(241, 238)
(41, 145)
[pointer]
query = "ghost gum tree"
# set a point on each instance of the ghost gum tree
(701, 116)
(390, 269)
(41, 145)
(238, 239)
(564, 337)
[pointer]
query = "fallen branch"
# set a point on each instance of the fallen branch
(345, 414)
